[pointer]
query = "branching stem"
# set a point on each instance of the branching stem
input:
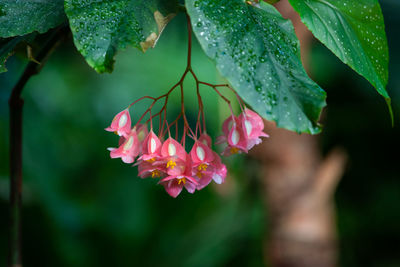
(164, 127)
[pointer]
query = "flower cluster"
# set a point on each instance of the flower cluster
(161, 156)
(168, 160)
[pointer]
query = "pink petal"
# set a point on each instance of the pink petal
(190, 187)
(205, 139)
(227, 125)
(237, 139)
(152, 145)
(220, 140)
(128, 150)
(127, 159)
(121, 123)
(201, 153)
(203, 182)
(173, 188)
(171, 148)
(146, 168)
(168, 178)
(251, 120)
(178, 169)
(191, 180)
(116, 152)
(142, 132)
(218, 178)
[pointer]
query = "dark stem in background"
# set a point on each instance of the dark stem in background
(15, 104)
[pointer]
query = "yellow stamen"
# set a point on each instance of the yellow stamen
(202, 167)
(171, 164)
(234, 150)
(151, 160)
(182, 180)
(116, 133)
(155, 174)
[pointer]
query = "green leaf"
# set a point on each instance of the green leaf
(23, 17)
(259, 53)
(354, 31)
(100, 28)
(7, 46)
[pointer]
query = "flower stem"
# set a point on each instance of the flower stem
(189, 58)
(164, 126)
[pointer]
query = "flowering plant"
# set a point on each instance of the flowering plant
(168, 159)
(162, 156)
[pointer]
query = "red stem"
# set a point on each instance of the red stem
(189, 58)
(164, 127)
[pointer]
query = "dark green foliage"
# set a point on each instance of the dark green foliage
(22, 17)
(354, 31)
(259, 53)
(81, 209)
(101, 28)
(253, 47)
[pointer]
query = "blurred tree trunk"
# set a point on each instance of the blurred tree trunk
(299, 187)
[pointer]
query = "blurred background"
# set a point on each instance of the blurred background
(82, 208)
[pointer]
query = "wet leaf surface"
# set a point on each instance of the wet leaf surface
(22, 17)
(354, 31)
(259, 54)
(101, 28)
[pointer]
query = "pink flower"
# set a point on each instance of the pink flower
(128, 150)
(252, 126)
(142, 133)
(149, 162)
(215, 171)
(242, 133)
(205, 139)
(151, 148)
(219, 170)
(147, 169)
(173, 156)
(174, 184)
(226, 126)
(201, 154)
(121, 124)
(233, 136)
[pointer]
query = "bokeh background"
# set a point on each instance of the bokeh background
(83, 209)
